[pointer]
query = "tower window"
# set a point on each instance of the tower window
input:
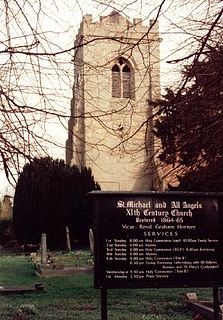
(122, 79)
(126, 82)
(116, 81)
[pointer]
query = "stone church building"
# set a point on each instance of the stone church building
(116, 76)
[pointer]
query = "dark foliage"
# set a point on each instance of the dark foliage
(190, 125)
(6, 232)
(50, 196)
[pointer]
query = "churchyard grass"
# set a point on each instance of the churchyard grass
(74, 297)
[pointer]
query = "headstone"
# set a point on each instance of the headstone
(191, 296)
(68, 238)
(43, 249)
(91, 240)
(33, 256)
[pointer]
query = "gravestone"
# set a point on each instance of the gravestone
(91, 240)
(68, 238)
(43, 249)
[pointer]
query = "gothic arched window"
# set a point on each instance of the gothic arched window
(122, 79)
(116, 81)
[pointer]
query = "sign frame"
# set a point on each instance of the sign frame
(108, 205)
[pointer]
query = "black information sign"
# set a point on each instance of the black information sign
(158, 239)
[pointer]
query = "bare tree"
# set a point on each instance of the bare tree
(34, 73)
(36, 70)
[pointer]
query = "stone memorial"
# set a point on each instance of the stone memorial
(68, 238)
(43, 249)
(91, 240)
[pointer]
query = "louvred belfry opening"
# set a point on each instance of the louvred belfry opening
(116, 81)
(126, 82)
(122, 79)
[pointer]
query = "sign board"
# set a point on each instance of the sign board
(158, 239)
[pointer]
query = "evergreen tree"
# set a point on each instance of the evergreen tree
(190, 125)
(48, 198)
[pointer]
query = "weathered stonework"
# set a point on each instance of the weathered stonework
(6, 208)
(112, 135)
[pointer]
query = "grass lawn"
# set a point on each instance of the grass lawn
(74, 297)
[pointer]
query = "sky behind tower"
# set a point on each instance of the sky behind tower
(58, 22)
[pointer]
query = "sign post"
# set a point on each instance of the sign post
(215, 303)
(157, 240)
(103, 304)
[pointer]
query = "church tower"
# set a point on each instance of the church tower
(116, 76)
